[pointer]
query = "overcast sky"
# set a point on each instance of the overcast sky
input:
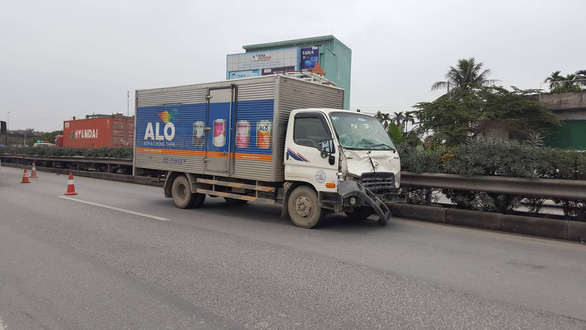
(60, 59)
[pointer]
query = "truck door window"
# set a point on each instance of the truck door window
(309, 131)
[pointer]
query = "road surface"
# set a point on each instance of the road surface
(120, 256)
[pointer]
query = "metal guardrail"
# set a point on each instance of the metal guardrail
(550, 188)
(72, 159)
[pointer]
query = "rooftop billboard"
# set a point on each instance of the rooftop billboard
(255, 63)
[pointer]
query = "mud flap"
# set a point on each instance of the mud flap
(351, 188)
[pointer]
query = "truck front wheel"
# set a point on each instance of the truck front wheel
(304, 208)
(183, 198)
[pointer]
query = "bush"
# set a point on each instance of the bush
(109, 152)
(498, 158)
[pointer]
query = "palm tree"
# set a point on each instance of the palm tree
(383, 118)
(554, 80)
(581, 76)
(398, 118)
(569, 83)
(467, 75)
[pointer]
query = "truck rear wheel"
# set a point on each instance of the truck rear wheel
(183, 198)
(304, 208)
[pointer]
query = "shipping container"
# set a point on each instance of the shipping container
(171, 123)
(110, 131)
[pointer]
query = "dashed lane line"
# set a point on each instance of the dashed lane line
(111, 208)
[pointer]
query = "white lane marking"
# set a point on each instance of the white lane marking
(115, 209)
(2, 326)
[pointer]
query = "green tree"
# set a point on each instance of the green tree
(50, 136)
(383, 118)
(469, 113)
(570, 83)
(554, 79)
(581, 77)
(467, 75)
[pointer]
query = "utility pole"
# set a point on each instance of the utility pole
(127, 103)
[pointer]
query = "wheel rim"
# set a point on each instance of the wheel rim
(303, 207)
(181, 192)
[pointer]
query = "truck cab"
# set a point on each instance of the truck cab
(347, 158)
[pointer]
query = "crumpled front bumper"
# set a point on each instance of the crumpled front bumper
(363, 197)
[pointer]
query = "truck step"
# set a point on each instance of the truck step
(236, 185)
(235, 196)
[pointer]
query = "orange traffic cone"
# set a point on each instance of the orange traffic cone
(34, 172)
(70, 186)
(25, 177)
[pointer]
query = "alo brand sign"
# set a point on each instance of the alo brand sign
(155, 134)
(167, 133)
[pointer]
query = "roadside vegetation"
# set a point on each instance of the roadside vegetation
(109, 152)
(479, 129)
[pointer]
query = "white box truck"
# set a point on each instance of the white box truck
(272, 139)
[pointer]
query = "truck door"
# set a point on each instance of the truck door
(303, 159)
(218, 131)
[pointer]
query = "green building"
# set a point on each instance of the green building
(333, 56)
(570, 109)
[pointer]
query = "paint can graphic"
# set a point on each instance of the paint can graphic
(264, 129)
(243, 134)
(199, 133)
(219, 139)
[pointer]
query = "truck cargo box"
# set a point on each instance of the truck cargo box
(231, 128)
(110, 131)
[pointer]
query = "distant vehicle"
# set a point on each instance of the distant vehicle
(43, 144)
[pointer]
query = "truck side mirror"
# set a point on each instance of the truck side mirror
(326, 148)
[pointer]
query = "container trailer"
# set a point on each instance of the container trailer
(104, 131)
(272, 139)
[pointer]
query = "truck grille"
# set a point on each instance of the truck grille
(377, 182)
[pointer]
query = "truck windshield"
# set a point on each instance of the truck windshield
(360, 132)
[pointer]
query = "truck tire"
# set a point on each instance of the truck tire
(360, 213)
(234, 200)
(182, 196)
(304, 208)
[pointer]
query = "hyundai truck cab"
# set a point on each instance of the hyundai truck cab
(347, 157)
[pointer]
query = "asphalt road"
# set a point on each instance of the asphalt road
(131, 260)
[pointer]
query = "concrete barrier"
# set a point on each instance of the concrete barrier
(560, 229)
(467, 218)
(576, 231)
(419, 212)
(535, 226)
(97, 175)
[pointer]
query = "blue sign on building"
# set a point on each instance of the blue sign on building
(309, 57)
